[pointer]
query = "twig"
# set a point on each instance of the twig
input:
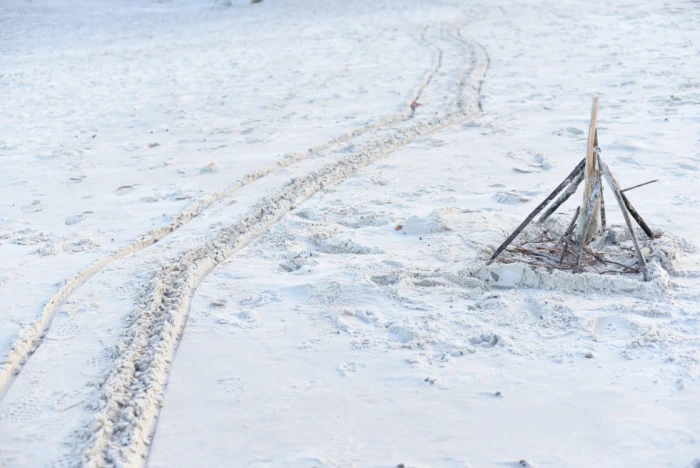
(615, 271)
(595, 255)
(640, 185)
(589, 251)
(626, 267)
(534, 254)
(536, 211)
(568, 232)
(71, 406)
(592, 201)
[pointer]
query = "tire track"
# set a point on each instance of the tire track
(131, 396)
(486, 57)
(30, 338)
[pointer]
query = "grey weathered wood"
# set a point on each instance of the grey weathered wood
(589, 180)
(570, 229)
(536, 211)
(567, 234)
(587, 222)
(638, 185)
(647, 230)
(570, 190)
(615, 188)
(603, 220)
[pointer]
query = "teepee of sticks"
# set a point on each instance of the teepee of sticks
(589, 218)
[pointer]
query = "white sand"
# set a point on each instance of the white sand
(200, 265)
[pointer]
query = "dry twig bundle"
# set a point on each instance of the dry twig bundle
(571, 250)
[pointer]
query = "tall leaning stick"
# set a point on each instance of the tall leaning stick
(589, 182)
(570, 190)
(536, 211)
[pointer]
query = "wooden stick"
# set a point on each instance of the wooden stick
(573, 222)
(640, 185)
(536, 211)
(592, 139)
(624, 208)
(603, 220)
(590, 177)
(570, 190)
(587, 224)
(568, 232)
(647, 230)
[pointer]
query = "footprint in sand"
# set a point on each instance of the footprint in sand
(66, 330)
(23, 410)
(75, 219)
(63, 461)
(249, 316)
(570, 132)
(98, 363)
(613, 327)
(350, 367)
(510, 198)
(124, 189)
(530, 161)
(33, 207)
(353, 318)
(252, 300)
(231, 385)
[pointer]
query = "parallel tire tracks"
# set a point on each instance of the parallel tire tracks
(30, 338)
(131, 396)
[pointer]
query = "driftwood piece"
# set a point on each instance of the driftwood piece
(570, 229)
(615, 188)
(567, 234)
(647, 230)
(603, 220)
(638, 185)
(570, 190)
(588, 220)
(589, 180)
(590, 176)
(536, 211)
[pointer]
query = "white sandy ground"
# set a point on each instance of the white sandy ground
(313, 333)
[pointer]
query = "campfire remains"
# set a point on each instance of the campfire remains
(572, 249)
